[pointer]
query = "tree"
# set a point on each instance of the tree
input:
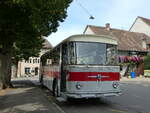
(23, 21)
(21, 50)
(147, 62)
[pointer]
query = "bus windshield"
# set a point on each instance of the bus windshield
(92, 53)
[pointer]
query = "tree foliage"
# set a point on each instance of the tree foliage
(21, 18)
(147, 62)
(24, 22)
(23, 49)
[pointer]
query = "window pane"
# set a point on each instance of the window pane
(72, 57)
(27, 70)
(64, 54)
(91, 53)
(111, 54)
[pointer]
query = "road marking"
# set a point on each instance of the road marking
(145, 85)
(118, 111)
(62, 111)
(57, 106)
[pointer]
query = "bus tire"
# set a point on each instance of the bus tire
(55, 88)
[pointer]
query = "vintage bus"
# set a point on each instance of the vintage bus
(82, 66)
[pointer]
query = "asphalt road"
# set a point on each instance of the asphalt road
(135, 99)
(28, 97)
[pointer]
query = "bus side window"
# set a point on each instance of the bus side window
(56, 56)
(72, 58)
(65, 53)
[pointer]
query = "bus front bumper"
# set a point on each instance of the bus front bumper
(92, 95)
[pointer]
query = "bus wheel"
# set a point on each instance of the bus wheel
(55, 88)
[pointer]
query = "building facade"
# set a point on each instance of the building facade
(141, 25)
(32, 66)
(131, 45)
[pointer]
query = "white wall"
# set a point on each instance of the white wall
(123, 53)
(140, 27)
(23, 64)
(89, 31)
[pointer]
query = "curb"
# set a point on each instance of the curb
(124, 79)
(54, 105)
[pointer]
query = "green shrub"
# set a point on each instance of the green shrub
(147, 62)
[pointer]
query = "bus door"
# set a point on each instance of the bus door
(63, 64)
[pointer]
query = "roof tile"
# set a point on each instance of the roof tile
(127, 41)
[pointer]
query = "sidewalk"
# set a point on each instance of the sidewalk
(137, 79)
(26, 98)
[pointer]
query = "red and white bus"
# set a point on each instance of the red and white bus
(82, 66)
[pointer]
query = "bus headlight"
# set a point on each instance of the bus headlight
(115, 84)
(78, 86)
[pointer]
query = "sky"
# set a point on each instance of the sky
(119, 13)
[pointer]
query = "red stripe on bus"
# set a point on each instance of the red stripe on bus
(91, 76)
(52, 74)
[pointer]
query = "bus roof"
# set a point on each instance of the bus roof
(87, 38)
(91, 38)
